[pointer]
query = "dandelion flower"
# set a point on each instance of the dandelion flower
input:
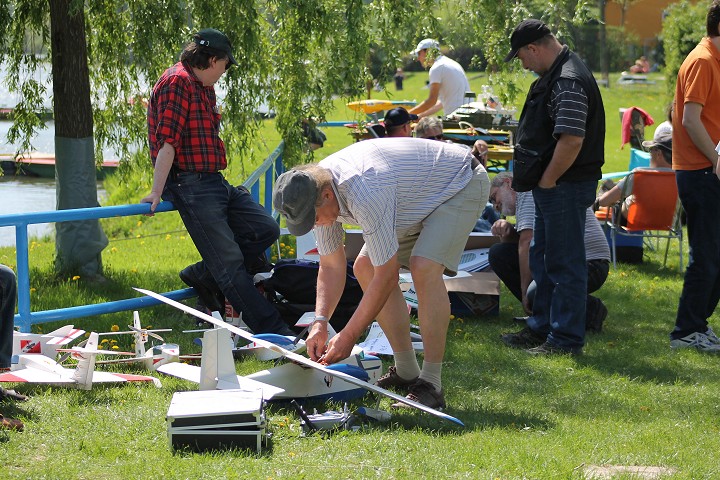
(115, 328)
(76, 278)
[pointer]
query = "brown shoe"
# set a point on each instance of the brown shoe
(424, 392)
(392, 380)
(11, 423)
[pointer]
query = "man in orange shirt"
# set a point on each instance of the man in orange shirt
(696, 131)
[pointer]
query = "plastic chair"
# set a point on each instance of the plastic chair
(638, 158)
(655, 211)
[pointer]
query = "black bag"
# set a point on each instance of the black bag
(292, 289)
(528, 167)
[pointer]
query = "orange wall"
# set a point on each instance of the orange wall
(643, 18)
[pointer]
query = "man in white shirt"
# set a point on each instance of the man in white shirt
(416, 201)
(448, 82)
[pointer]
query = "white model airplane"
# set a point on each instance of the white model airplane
(284, 382)
(302, 360)
(36, 368)
(44, 343)
(264, 354)
(217, 367)
(154, 357)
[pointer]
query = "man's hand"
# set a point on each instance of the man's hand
(153, 199)
(315, 343)
(502, 228)
(339, 348)
(480, 151)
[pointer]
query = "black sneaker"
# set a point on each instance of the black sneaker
(213, 299)
(392, 380)
(549, 349)
(525, 338)
(424, 392)
(596, 316)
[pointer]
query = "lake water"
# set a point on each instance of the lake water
(23, 195)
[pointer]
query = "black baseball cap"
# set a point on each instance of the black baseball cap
(527, 32)
(398, 116)
(216, 40)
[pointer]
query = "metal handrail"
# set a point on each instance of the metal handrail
(25, 318)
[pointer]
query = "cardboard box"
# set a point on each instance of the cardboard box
(217, 419)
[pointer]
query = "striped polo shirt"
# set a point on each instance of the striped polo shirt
(569, 108)
(388, 186)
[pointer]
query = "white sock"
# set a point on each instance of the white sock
(406, 365)
(432, 372)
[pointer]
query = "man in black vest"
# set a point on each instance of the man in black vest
(559, 154)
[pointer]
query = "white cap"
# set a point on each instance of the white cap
(425, 44)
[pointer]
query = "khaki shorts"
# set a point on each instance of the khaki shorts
(445, 231)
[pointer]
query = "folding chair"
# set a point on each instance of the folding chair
(655, 211)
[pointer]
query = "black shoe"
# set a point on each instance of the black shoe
(213, 299)
(550, 349)
(525, 338)
(596, 316)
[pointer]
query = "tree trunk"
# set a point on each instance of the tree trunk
(604, 55)
(78, 243)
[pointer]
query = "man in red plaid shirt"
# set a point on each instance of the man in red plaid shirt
(230, 230)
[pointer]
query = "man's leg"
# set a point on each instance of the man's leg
(563, 271)
(395, 322)
(504, 261)
(8, 292)
(699, 192)
(204, 202)
(596, 311)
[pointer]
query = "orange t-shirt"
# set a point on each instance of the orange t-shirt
(698, 82)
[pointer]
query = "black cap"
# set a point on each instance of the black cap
(398, 116)
(527, 32)
(663, 142)
(294, 196)
(215, 39)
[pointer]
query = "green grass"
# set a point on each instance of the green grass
(628, 400)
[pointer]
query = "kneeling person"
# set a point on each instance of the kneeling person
(416, 201)
(510, 259)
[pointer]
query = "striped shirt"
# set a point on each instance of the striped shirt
(388, 186)
(569, 107)
(596, 245)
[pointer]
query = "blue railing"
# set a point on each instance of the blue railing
(25, 318)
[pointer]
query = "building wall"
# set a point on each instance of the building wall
(642, 17)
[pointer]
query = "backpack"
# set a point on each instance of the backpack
(292, 289)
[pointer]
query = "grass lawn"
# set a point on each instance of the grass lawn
(627, 401)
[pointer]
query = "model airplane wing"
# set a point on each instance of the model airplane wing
(300, 359)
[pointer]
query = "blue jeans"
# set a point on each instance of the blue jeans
(557, 262)
(227, 227)
(8, 292)
(699, 192)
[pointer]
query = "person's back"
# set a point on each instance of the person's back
(453, 82)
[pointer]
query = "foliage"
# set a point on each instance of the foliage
(295, 55)
(683, 28)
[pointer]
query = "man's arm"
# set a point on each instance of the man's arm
(524, 262)
(385, 278)
(566, 151)
(505, 230)
(163, 163)
(330, 286)
(431, 104)
(699, 135)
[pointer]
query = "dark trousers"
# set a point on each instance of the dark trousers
(505, 263)
(699, 192)
(227, 227)
(8, 293)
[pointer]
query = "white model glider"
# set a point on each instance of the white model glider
(300, 359)
(36, 368)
